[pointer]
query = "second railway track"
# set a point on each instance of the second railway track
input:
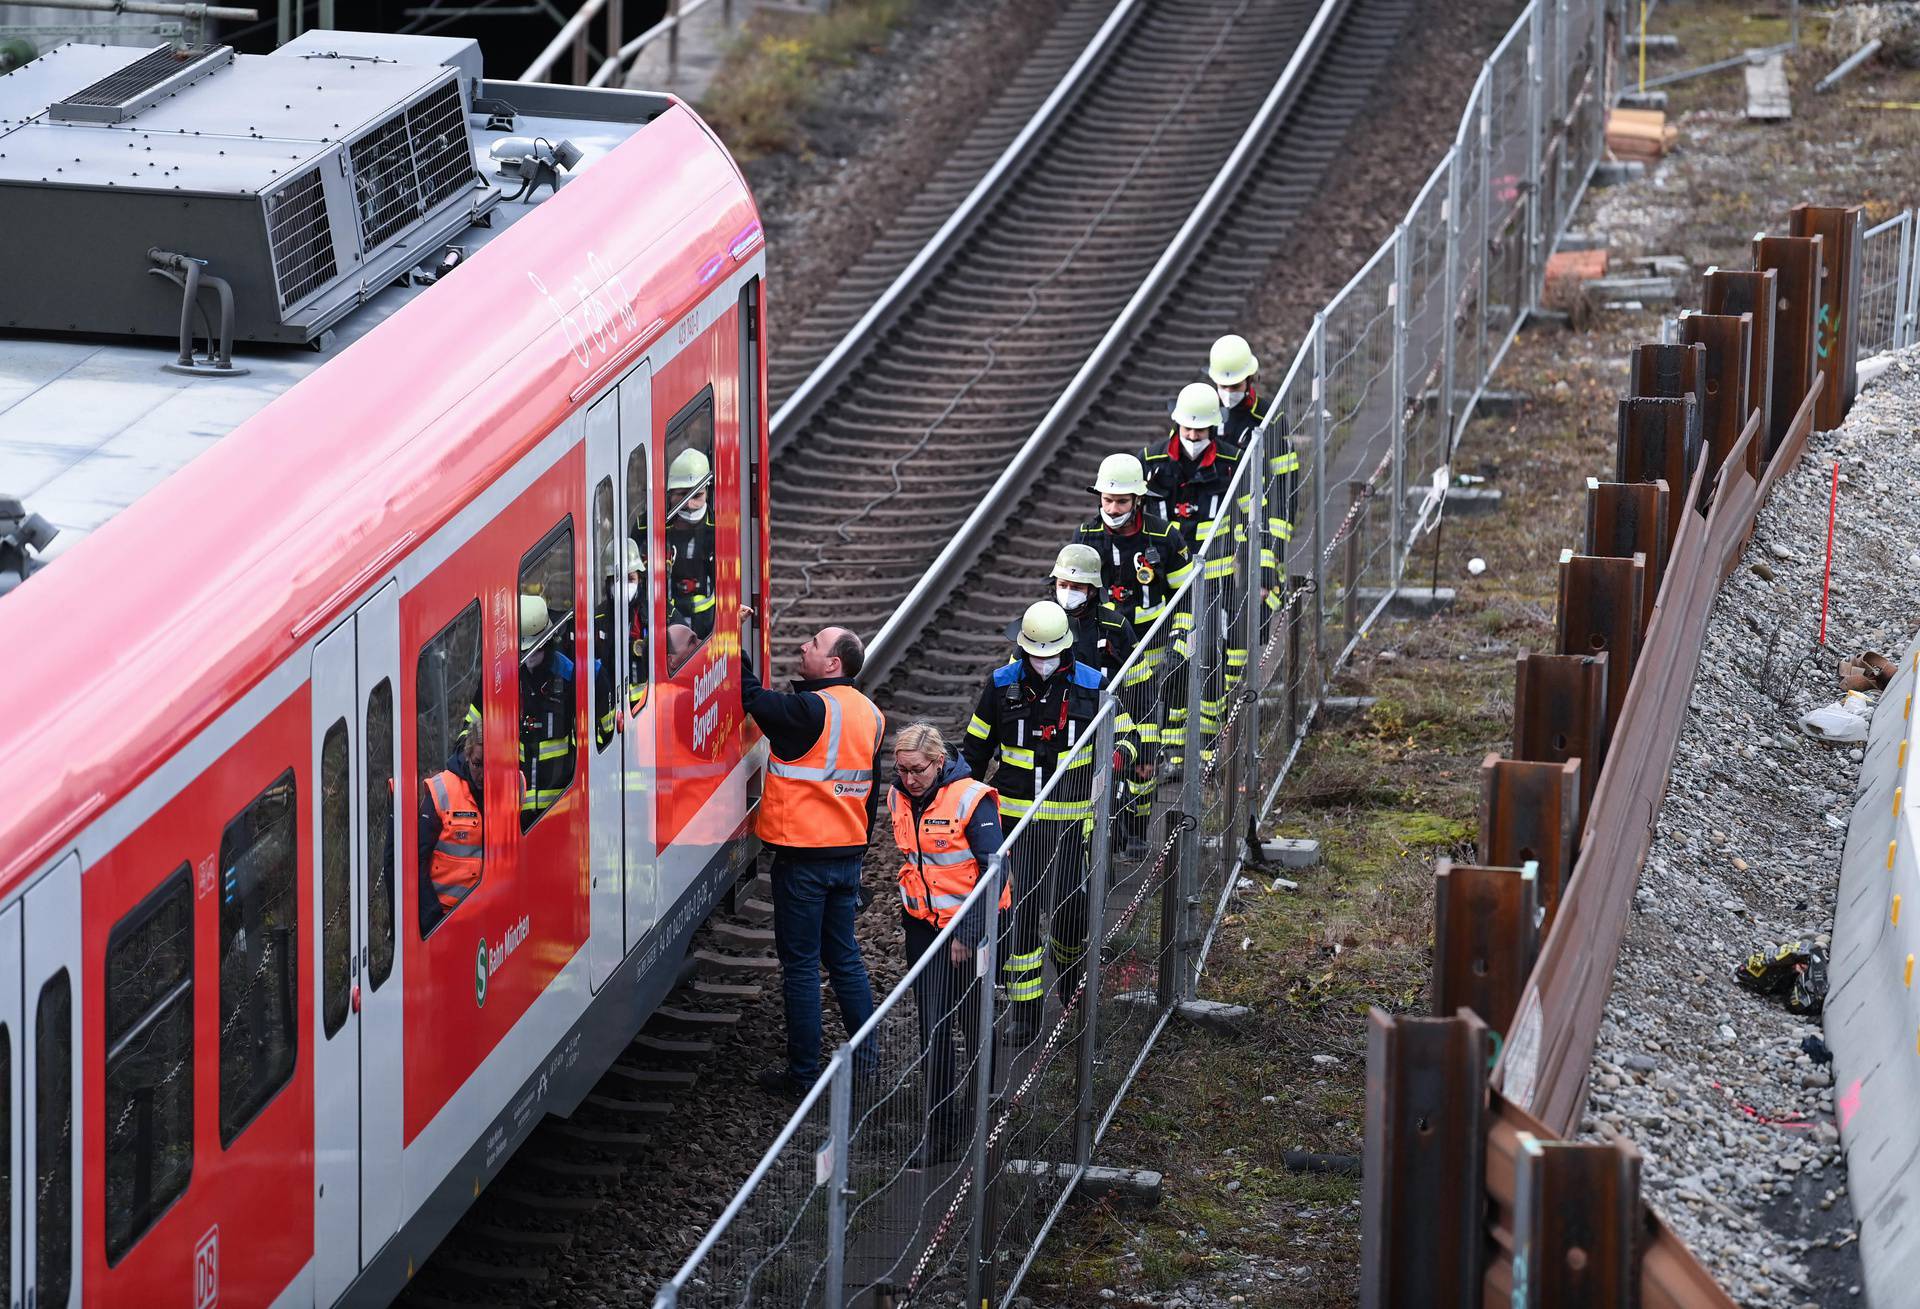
(900, 443)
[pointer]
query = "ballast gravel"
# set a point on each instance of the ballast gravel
(1710, 1082)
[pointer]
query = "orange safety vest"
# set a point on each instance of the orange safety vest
(455, 870)
(940, 869)
(820, 799)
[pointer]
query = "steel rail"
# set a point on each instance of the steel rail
(971, 539)
(946, 242)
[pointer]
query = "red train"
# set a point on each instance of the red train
(248, 1056)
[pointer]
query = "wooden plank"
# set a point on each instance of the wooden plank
(1768, 98)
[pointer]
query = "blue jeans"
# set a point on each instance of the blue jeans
(814, 904)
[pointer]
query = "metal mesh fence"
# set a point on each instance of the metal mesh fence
(1886, 267)
(931, 1160)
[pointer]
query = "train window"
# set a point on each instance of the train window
(53, 1142)
(640, 604)
(547, 674)
(380, 834)
(336, 878)
(691, 575)
(149, 1100)
(449, 747)
(259, 955)
(608, 589)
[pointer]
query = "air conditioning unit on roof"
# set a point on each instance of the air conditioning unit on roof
(308, 179)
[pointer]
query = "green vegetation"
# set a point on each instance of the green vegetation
(773, 74)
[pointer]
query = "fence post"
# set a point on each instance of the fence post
(1256, 679)
(1206, 642)
(1321, 431)
(1450, 303)
(673, 41)
(1536, 117)
(986, 968)
(616, 34)
(1482, 254)
(1402, 292)
(1098, 876)
(840, 1142)
(1903, 313)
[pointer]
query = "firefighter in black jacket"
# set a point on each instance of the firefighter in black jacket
(1037, 717)
(690, 539)
(1233, 368)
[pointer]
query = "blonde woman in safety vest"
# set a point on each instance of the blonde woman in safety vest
(815, 815)
(947, 826)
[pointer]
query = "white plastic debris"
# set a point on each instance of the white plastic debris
(1476, 565)
(1282, 884)
(1842, 722)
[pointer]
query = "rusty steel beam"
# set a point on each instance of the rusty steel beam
(1486, 932)
(1629, 518)
(1836, 322)
(1737, 291)
(1659, 440)
(1799, 261)
(1576, 1225)
(1423, 1167)
(1560, 713)
(1599, 613)
(1530, 814)
(1727, 340)
(1670, 1276)
(1667, 371)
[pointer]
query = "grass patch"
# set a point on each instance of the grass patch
(773, 73)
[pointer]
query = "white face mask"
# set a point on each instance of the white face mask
(631, 590)
(1069, 598)
(1231, 396)
(1116, 520)
(1044, 667)
(693, 513)
(1195, 449)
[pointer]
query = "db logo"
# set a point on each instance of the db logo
(206, 1270)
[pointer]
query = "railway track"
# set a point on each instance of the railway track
(886, 452)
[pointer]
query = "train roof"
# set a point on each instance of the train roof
(211, 524)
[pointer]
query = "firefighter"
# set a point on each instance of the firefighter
(1143, 561)
(690, 537)
(1234, 369)
(546, 710)
(626, 594)
(451, 846)
(1037, 717)
(1190, 480)
(1102, 636)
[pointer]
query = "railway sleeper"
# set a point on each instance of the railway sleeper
(653, 1110)
(540, 1202)
(715, 962)
(693, 1019)
(658, 1046)
(524, 1238)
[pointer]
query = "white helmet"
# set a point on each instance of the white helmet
(1120, 475)
(689, 471)
(1198, 407)
(636, 557)
(1231, 360)
(1044, 630)
(533, 621)
(1078, 563)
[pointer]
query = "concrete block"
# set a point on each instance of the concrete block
(1614, 172)
(1226, 1019)
(1462, 501)
(1131, 1186)
(1409, 601)
(1338, 707)
(1647, 290)
(1291, 852)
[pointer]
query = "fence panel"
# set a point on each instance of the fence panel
(1885, 261)
(1509, 255)
(1469, 257)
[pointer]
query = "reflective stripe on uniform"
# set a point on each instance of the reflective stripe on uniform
(832, 772)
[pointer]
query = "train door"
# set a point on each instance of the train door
(356, 997)
(613, 643)
(636, 458)
(40, 1003)
(750, 479)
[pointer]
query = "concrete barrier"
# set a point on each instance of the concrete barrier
(1872, 1011)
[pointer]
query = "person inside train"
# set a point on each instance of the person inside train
(690, 542)
(947, 827)
(617, 593)
(547, 742)
(681, 643)
(451, 849)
